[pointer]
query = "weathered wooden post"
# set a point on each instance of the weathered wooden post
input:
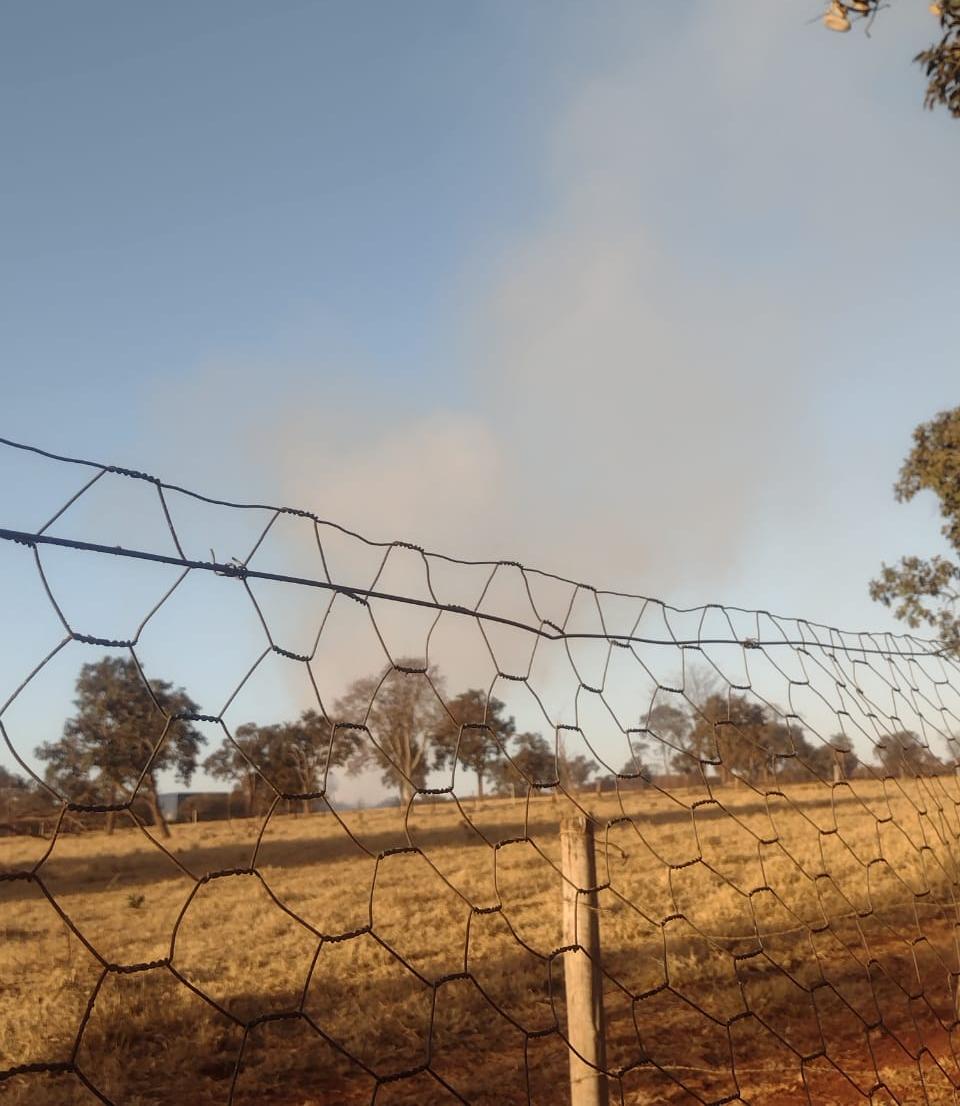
(583, 981)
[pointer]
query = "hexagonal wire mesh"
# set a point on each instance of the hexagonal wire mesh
(774, 801)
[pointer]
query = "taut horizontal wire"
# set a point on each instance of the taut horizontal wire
(166, 486)
(26, 538)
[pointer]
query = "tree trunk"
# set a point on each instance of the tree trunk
(307, 782)
(154, 803)
(480, 783)
(111, 814)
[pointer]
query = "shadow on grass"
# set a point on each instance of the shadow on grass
(105, 867)
(150, 1039)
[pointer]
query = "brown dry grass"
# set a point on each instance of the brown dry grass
(782, 949)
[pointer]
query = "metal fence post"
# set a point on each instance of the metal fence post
(583, 981)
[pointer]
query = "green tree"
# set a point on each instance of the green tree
(286, 758)
(940, 61)
(844, 761)
(123, 734)
(475, 733)
(239, 761)
(15, 793)
(669, 725)
(10, 781)
(741, 738)
(631, 775)
(401, 709)
(575, 771)
(532, 761)
(818, 760)
(306, 748)
(925, 592)
(904, 754)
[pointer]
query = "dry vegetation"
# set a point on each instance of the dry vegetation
(791, 948)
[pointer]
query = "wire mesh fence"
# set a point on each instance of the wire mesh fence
(361, 900)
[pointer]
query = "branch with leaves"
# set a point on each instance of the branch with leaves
(940, 61)
(926, 592)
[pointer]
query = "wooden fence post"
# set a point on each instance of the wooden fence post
(583, 981)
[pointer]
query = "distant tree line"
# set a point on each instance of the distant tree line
(731, 736)
(400, 723)
(126, 730)
(19, 799)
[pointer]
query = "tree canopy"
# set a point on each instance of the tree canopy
(904, 754)
(289, 759)
(401, 711)
(741, 738)
(533, 762)
(125, 731)
(670, 726)
(474, 732)
(575, 771)
(11, 781)
(240, 761)
(925, 591)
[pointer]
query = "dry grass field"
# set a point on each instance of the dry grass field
(779, 949)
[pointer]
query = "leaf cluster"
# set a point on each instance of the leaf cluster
(925, 591)
(941, 62)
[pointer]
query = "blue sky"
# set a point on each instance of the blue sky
(651, 296)
(242, 181)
